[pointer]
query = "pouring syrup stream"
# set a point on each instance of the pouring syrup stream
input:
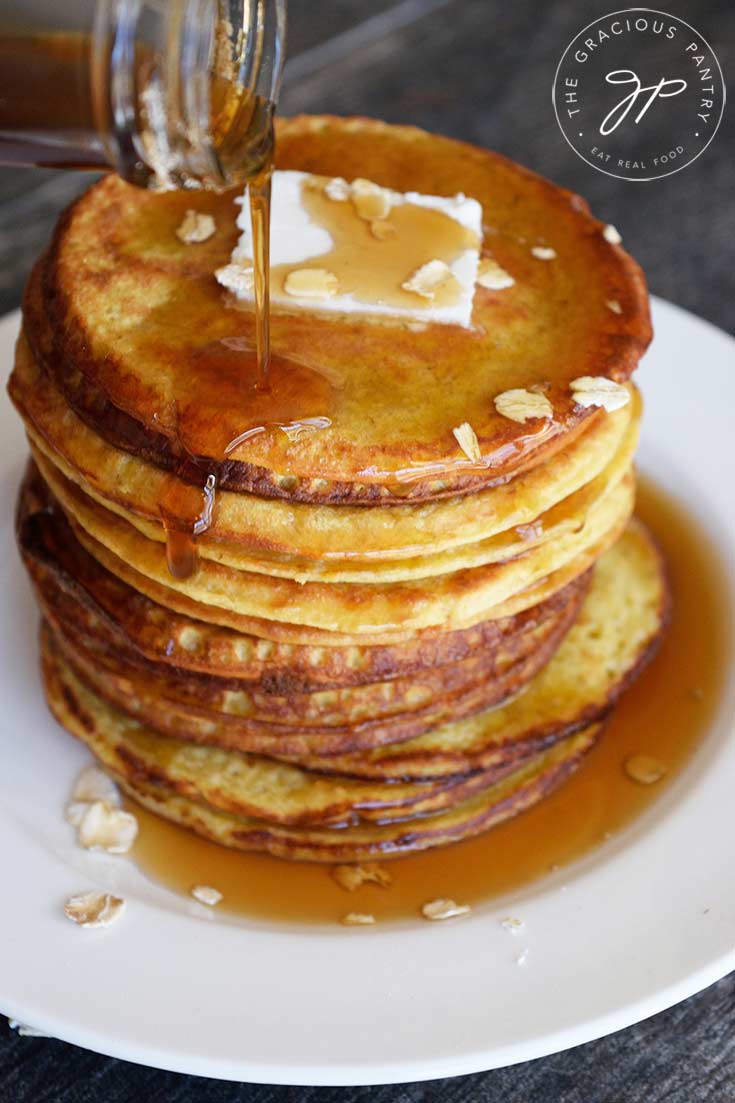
(259, 197)
(180, 526)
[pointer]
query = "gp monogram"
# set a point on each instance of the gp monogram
(638, 94)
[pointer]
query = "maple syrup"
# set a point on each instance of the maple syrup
(665, 714)
(183, 524)
(177, 94)
(57, 92)
(372, 269)
(37, 125)
(186, 512)
(259, 198)
(246, 398)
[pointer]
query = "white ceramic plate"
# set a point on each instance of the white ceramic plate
(625, 934)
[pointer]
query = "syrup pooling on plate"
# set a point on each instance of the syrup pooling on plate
(665, 714)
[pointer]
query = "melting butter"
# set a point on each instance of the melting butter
(365, 264)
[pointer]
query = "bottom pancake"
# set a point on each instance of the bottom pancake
(244, 784)
(448, 785)
(88, 717)
(515, 793)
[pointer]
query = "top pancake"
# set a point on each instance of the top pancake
(128, 321)
(270, 529)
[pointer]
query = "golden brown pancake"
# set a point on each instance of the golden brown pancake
(565, 516)
(212, 708)
(129, 323)
(362, 611)
(334, 730)
(246, 784)
(172, 781)
(383, 644)
(616, 633)
(326, 709)
(78, 592)
(322, 536)
(289, 634)
(619, 625)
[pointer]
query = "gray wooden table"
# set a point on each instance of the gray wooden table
(480, 70)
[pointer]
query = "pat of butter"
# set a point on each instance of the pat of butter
(363, 270)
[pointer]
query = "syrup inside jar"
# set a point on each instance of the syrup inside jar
(179, 94)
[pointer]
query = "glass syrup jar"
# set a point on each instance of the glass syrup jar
(167, 93)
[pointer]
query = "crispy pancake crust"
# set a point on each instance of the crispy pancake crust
(170, 780)
(333, 539)
(621, 621)
(208, 694)
(75, 588)
(617, 632)
(360, 610)
(103, 316)
(187, 718)
(241, 783)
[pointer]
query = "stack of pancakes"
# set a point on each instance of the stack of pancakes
(346, 636)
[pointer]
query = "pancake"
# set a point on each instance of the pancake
(496, 670)
(512, 795)
(126, 669)
(621, 620)
(337, 730)
(562, 517)
(380, 642)
(455, 600)
(289, 634)
(232, 781)
(323, 536)
(76, 590)
(164, 775)
(216, 709)
(130, 323)
(617, 632)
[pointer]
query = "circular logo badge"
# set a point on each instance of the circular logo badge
(639, 94)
